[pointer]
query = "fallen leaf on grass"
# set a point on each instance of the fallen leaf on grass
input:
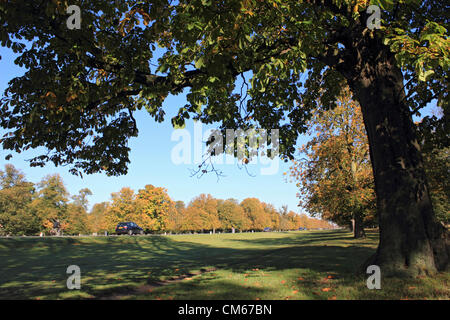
(294, 292)
(283, 281)
(332, 298)
(326, 289)
(301, 278)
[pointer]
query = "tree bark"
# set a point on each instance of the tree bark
(358, 227)
(411, 240)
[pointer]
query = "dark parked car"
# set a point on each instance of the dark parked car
(129, 228)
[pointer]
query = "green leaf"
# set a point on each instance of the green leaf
(178, 123)
(163, 68)
(383, 4)
(424, 75)
(200, 63)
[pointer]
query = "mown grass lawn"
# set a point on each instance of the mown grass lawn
(285, 265)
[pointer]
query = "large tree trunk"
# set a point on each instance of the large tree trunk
(411, 241)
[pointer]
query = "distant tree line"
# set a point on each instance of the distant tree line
(47, 208)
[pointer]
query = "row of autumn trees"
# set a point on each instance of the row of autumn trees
(29, 209)
(334, 174)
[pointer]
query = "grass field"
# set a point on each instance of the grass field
(285, 265)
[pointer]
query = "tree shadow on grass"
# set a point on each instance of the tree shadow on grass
(117, 265)
(316, 258)
(30, 269)
(315, 264)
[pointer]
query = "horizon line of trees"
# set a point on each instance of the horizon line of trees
(47, 208)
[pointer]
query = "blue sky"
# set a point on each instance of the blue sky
(151, 163)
